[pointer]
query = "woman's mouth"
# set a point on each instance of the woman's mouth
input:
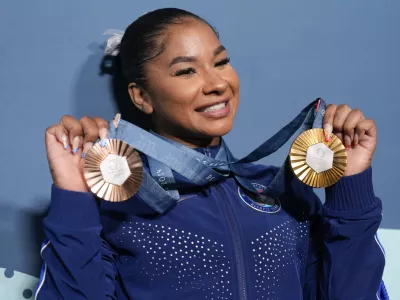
(218, 110)
(214, 107)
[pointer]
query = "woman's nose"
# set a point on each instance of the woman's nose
(214, 84)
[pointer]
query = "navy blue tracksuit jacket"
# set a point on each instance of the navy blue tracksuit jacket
(217, 243)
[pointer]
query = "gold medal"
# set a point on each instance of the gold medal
(315, 162)
(114, 172)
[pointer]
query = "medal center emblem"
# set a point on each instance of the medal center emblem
(319, 157)
(115, 169)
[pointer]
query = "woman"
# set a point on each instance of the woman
(215, 243)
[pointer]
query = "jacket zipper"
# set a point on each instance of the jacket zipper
(237, 245)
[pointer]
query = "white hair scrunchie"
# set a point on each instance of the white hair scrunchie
(113, 41)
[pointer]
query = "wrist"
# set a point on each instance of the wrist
(350, 171)
(72, 183)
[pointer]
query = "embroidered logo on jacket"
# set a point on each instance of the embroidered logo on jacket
(260, 202)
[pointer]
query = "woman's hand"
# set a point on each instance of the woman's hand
(357, 133)
(67, 144)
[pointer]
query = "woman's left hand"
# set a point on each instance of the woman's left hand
(357, 133)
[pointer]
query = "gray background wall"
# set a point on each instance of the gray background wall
(286, 52)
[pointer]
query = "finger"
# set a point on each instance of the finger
(347, 142)
(116, 120)
(328, 120)
(90, 134)
(366, 127)
(340, 136)
(102, 125)
(355, 140)
(59, 133)
(75, 133)
(353, 118)
(340, 117)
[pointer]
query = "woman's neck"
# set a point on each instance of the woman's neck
(190, 141)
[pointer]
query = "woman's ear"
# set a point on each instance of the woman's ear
(140, 98)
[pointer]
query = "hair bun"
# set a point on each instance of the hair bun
(110, 65)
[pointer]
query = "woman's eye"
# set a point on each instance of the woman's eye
(223, 62)
(187, 71)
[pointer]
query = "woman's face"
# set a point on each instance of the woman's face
(193, 91)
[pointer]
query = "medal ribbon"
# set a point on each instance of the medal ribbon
(165, 155)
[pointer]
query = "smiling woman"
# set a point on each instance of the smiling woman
(190, 56)
(228, 239)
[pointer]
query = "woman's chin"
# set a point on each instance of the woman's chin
(218, 131)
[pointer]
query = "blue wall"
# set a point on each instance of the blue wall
(286, 52)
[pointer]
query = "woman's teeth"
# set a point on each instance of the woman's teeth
(215, 107)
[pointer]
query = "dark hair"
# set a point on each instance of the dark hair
(143, 41)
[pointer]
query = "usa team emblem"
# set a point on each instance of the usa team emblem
(261, 203)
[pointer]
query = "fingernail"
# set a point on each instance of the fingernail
(103, 133)
(355, 141)
(318, 104)
(328, 138)
(75, 144)
(103, 143)
(328, 132)
(347, 142)
(116, 120)
(86, 149)
(65, 141)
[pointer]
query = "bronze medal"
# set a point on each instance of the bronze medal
(113, 172)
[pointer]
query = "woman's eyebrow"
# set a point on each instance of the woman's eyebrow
(180, 59)
(219, 50)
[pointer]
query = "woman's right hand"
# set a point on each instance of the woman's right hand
(67, 144)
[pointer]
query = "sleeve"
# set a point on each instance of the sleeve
(346, 259)
(78, 263)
